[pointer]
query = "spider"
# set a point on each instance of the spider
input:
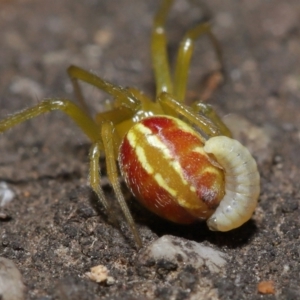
(178, 160)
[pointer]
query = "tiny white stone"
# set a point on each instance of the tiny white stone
(100, 274)
(11, 284)
(191, 253)
(6, 194)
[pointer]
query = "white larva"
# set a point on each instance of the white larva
(242, 183)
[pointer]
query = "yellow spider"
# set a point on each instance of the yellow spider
(178, 160)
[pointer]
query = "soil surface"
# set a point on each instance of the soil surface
(53, 229)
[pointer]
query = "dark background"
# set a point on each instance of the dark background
(54, 235)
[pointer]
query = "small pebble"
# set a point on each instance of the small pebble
(266, 287)
(11, 284)
(184, 252)
(6, 194)
(100, 274)
(4, 216)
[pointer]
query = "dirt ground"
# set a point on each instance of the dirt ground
(53, 230)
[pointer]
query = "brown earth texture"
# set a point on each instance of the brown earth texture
(53, 231)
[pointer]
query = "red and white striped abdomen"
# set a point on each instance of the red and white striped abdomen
(164, 165)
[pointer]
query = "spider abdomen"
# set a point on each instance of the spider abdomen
(164, 165)
(242, 183)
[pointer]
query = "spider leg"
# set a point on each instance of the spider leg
(185, 53)
(122, 96)
(208, 111)
(121, 112)
(127, 101)
(94, 173)
(116, 115)
(159, 50)
(146, 103)
(205, 125)
(107, 132)
(88, 126)
(77, 90)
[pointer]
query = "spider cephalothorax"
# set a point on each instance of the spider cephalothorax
(178, 160)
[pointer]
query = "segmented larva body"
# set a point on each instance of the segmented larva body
(242, 183)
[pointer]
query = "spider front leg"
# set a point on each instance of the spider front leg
(110, 145)
(124, 101)
(107, 133)
(87, 125)
(126, 104)
(109, 148)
